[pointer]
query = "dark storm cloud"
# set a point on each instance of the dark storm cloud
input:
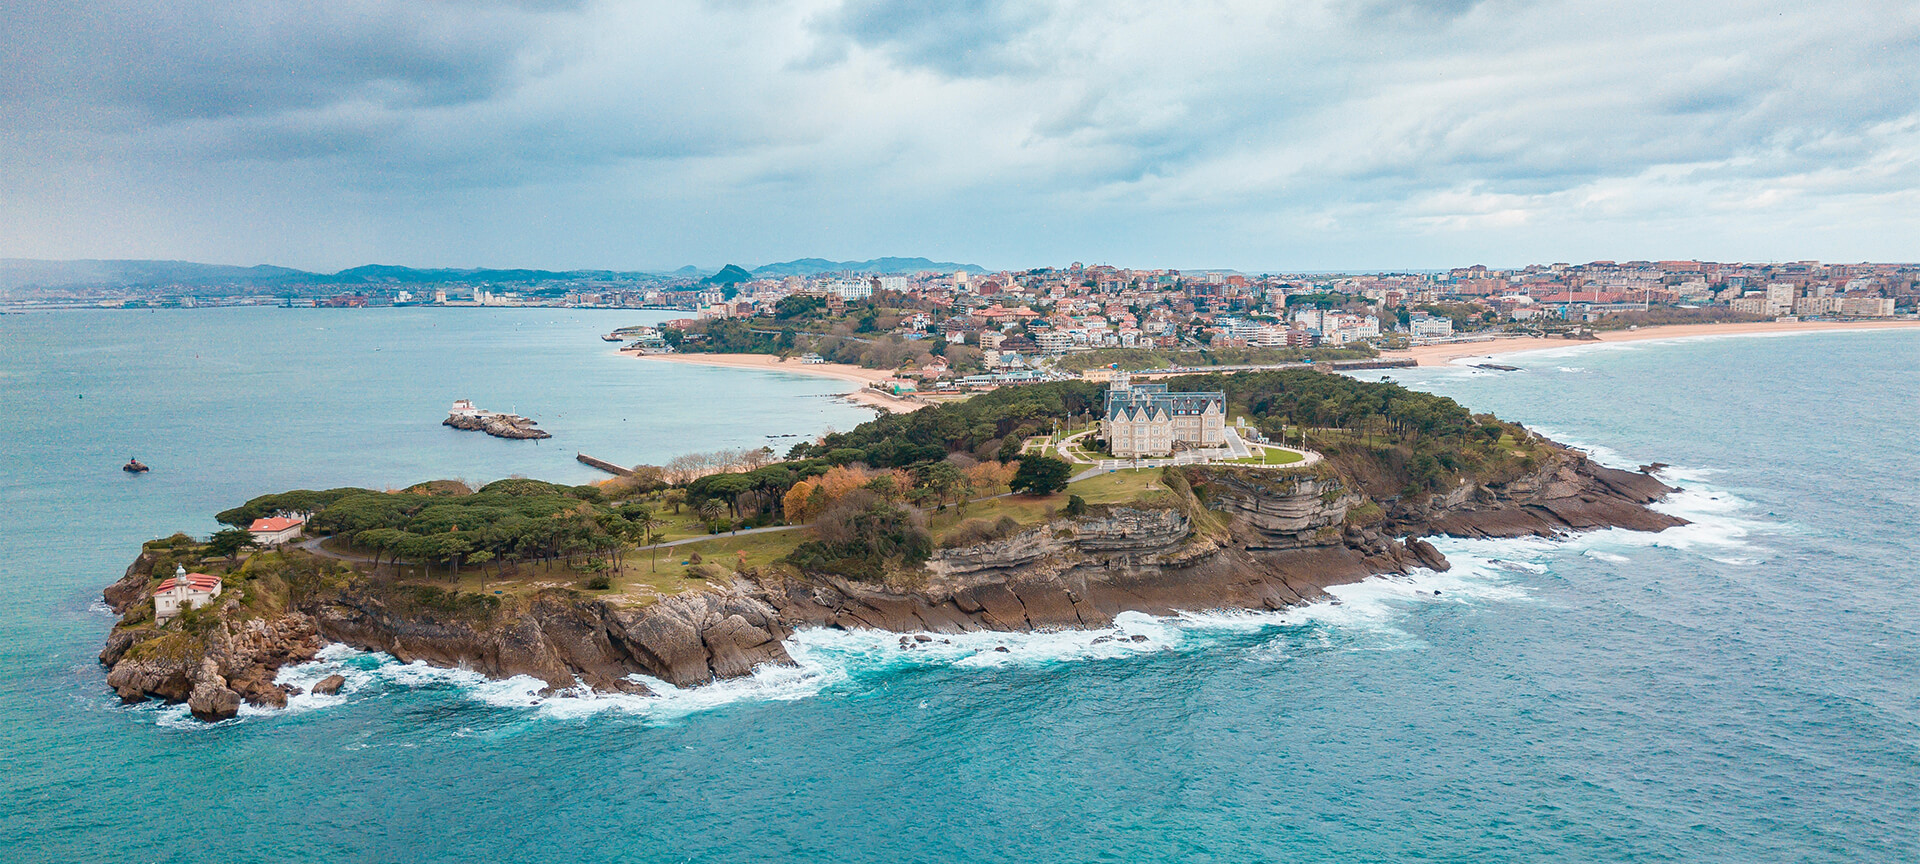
(206, 59)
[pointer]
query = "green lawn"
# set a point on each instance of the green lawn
(1114, 487)
(1117, 487)
(762, 550)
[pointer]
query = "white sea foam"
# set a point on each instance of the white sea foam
(1363, 616)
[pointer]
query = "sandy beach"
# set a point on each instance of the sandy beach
(856, 375)
(1440, 355)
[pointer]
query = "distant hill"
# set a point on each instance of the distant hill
(815, 266)
(34, 273)
(384, 273)
(27, 273)
(732, 274)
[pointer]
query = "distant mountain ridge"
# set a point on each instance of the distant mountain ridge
(30, 272)
(17, 273)
(33, 273)
(816, 266)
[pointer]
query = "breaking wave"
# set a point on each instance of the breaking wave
(1365, 616)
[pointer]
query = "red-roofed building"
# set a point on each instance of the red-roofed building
(275, 530)
(183, 591)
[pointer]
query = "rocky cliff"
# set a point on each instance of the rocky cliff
(214, 659)
(1227, 538)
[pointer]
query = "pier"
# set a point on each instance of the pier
(603, 465)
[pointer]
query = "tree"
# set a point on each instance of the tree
(479, 558)
(1040, 475)
(796, 502)
(648, 526)
(228, 542)
(675, 498)
(1076, 505)
(938, 480)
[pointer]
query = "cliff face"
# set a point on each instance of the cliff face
(1230, 538)
(1265, 550)
(230, 653)
(213, 664)
(558, 637)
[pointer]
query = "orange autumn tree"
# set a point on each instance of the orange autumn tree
(810, 498)
(797, 502)
(988, 478)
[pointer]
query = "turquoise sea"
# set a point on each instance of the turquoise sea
(1746, 688)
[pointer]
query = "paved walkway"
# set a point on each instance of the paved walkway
(1236, 448)
(1069, 441)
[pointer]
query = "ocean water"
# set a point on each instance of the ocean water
(1745, 688)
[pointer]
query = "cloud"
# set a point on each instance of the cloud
(1231, 132)
(972, 38)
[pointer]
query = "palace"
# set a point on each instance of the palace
(1146, 420)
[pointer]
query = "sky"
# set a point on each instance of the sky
(1261, 136)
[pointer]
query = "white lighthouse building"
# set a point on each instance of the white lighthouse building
(183, 591)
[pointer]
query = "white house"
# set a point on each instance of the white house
(275, 530)
(183, 591)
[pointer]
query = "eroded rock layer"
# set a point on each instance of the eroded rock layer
(1230, 538)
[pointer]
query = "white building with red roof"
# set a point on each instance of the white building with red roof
(183, 591)
(275, 530)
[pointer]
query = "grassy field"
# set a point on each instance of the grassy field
(1115, 487)
(643, 575)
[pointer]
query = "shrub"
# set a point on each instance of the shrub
(599, 582)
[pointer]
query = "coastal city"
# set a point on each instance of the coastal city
(918, 329)
(1052, 310)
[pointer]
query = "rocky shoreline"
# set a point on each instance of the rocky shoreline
(1229, 538)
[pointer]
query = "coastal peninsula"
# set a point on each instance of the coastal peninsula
(954, 518)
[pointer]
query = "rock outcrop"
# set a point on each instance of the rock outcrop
(497, 425)
(1229, 537)
(563, 639)
(1573, 493)
(555, 635)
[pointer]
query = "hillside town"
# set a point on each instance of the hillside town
(1101, 304)
(972, 329)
